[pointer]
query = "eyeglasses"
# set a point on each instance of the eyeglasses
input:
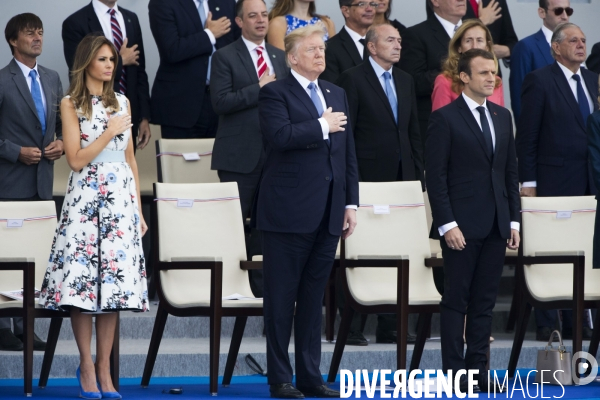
(364, 4)
(559, 10)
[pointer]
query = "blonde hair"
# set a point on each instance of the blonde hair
(80, 95)
(293, 39)
(450, 64)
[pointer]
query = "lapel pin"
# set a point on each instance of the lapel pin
(495, 113)
(217, 8)
(327, 90)
(274, 56)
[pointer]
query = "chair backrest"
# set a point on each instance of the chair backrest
(403, 231)
(211, 228)
(35, 223)
(62, 171)
(546, 231)
(146, 163)
(172, 166)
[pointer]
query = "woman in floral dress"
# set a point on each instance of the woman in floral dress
(96, 262)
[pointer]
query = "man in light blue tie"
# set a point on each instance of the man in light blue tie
(384, 118)
(30, 132)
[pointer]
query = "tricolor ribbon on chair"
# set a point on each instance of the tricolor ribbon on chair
(171, 153)
(395, 205)
(199, 200)
(560, 214)
(18, 222)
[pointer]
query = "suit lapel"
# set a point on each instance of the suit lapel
(47, 88)
(404, 100)
(470, 120)
(328, 103)
(93, 22)
(190, 8)
(246, 60)
(592, 87)
(498, 128)
(129, 31)
(565, 89)
(543, 47)
(278, 63)
(376, 85)
(350, 46)
(301, 94)
(21, 84)
(438, 31)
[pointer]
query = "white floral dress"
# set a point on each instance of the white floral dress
(96, 261)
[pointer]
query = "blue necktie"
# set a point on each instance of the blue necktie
(36, 93)
(584, 106)
(203, 20)
(314, 96)
(390, 94)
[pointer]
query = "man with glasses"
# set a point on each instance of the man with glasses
(424, 46)
(533, 52)
(347, 49)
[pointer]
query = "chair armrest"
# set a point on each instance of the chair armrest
(371, 261)
(190, 263)
(248, 265)
(15, 263)
(434, 262)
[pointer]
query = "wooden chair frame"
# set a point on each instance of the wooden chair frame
(215, 311)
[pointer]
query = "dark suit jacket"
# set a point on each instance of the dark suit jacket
(299, 164)
(234, 91)
(551, 134)
(84, 22)
(463, 183)
(20, 127)
(184, 49)
(593, 61)
(424, 47)
(341, 54)
(593, 134)
(379, 139)
(529, 54)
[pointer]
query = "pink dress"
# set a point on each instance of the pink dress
(443, 95)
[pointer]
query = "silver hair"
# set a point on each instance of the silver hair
(559, 34)
(293, 39)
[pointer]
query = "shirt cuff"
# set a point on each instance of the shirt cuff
(515, 225)
(211, 36)
(445, 228)
(352, 207)
(324, 128)
(529, 184)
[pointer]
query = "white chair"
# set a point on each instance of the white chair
(172, 167)
(557, 248)
(200, 256)
(375, 267)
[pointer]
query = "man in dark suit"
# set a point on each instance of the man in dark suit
(593, 61)
(473, 188)
(383, 115)
(551, 135)
(30, 133)
(307, 198)
(131, 78)
(239, 70)
(425, 46)
(347, 49)
(187, 32)
(533, 52)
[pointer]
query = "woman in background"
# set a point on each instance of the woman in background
(288, 15)
(472, 34)
(96, 263)
(382, 16)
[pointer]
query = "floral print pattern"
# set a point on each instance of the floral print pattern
(96, 261)
(294, 23)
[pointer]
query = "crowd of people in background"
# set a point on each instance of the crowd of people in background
(223, 71)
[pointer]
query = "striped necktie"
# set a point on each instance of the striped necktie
(261, 64)
(118, 41)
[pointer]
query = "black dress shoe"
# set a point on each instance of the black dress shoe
(9, 342)
(38, 344)
(285, 391)
(392, 337)
(322, 391)
(543, 334)
(586, 334)
(356, 338)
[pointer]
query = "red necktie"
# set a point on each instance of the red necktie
(261, 64)
(475, 6)
(118, 42)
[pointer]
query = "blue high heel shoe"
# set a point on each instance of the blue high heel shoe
(86, 395)
(109, 395)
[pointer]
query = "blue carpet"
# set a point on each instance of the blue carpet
(246, 387)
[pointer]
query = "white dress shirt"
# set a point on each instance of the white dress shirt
(102, 12)
(356, 39)
(449, 27)
(26, 71)
(573, 84)
(472, 104)
(379, 71)
(211, 36)
(547, 34)
(254, 54)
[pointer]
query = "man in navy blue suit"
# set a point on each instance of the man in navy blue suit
(187, 32)
(307, 198)
(533, 52)
(551, 134)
